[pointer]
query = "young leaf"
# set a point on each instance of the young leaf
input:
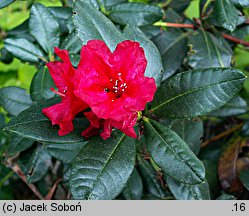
(208, 50)
(172, 154)
(14, 100)
(32, 124)
(23, 49)
(41, 84)
(183, 191)
(134, 188)
(196, 92)
(136, 14)
(102, 168)
(44, 27)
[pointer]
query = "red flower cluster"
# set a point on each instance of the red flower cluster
(112, 84)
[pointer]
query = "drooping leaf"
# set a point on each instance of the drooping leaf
(23, 49)
(196, 92)
(32, 124)
(41, 84)
(172, 154)
(208, 50)
(225, 14)
(5, 3)
(183, 191)
(14, 100)
(236, 106)
(173, 48)
(38, 165)
(136, 14)
(18, 144)
(64, 152)
(44, 27)
(102, 168)
(154, 66)
(191, 131)
(134, 188)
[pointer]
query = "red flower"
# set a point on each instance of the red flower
(113, 85)
(63, 75)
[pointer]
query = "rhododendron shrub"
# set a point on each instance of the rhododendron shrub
(127, 100)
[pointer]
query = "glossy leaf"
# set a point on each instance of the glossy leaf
(102, 168)
(23, 49)
(14, 100)
(38, 165)
(134, 188)
(183, 191)
(32, 124)
(208, 51)
(172, 154)
(226, 14)
(72, 43)
(196, 92)
(44, 27)
(136, 14)
(5, 3)
(105, 4)
(241, 3)
(18, 144)
(41, 84)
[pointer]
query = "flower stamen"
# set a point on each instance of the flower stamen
(57, 92)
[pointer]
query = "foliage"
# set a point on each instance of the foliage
(193, 137)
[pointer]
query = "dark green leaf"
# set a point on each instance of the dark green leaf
(105, 4)
(102, 168)
(225, 14)
(197, 92)
(23, 49)
(244, 178)
(14, 100)
(38, 165)
(208, 51)
(191, 131)
(6, 193)
(183, 191)
(180, 5)
(136, 14)
(5, 3)
(41, 84)
(236, 106)
(44, 27)
(92, 24)
(5, 56)
(134, 188)
(172, 154)
(18, 144)
(65, 152)
(173, 48)
(241, 3)
(226, 197)
(149, 176)
(32, 124)
(72, 43)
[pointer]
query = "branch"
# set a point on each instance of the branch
(235, 40)
(221, 135)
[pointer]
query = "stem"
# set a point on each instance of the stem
(174, 25)
(221, 135)
(235, 40)
(6, 178)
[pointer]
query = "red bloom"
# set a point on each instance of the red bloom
(113, 85)
(63, 75)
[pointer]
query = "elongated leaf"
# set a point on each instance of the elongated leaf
(41, 84)
(65, 152)
(197, 92)
(208, 51)
(14, 100)
(154, 67)
(102, 168)
(173, 48)
(23, 49)
(72, 43)
(32, 124)
(5, 3)
(226, 14)
(191, 131)
(44, 27)
(106, 4)
(241, 3)
(38, 165)
(183, 191)
(137, 14)
(18, 144)
(92, 24)
(236, 106)
(134, 188)
(172, 154)
(149, 177)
